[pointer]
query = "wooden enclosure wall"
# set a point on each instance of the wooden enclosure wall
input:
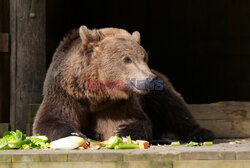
(4, 63)
(204, 45)
(27, 28)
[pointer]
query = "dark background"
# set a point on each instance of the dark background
(203, 46)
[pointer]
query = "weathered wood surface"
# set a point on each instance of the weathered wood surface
(4, 42)
(13, 64)
(28, 58)
(225, 119)
(221, 111)
(3, 127)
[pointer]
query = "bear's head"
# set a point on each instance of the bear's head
(106, 63)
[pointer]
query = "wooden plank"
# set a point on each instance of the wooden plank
(13, 64)
(226, 119)
(33, 108)
(228, 128)
(28, 59)
(3, 127)
(4, 42)
(221, 111)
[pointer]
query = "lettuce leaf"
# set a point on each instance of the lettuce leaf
(16, 140)
(3, 143)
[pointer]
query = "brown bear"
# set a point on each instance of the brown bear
(99, 84)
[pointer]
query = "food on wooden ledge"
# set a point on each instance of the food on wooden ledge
(116, 142)
(207, 143)
(175, 143)
(70, 142)
(126, 146)
(142, 144)
(18, 140)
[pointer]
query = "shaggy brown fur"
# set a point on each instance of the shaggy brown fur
(69, 106)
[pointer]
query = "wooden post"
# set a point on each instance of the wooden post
(28, 58)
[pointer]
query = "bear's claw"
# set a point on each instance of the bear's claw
(82, 136)
(135, 130)
(201, 135)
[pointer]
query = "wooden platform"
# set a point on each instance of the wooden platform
(221, 155)
(226, 119)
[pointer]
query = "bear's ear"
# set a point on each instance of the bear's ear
(136, 36)
(90, 36)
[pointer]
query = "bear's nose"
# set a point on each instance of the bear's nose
(151, 78)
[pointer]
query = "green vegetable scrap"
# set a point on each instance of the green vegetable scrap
(96, 147)
(176, 143)
(113, 141)
(191, 143)
(3, 143)
(129, 140)
(208, 143)
(127, 146)
(18, 140)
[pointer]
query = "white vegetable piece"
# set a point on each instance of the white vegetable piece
(124, 140)
(70, 142)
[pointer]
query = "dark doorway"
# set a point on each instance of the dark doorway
(202, 46)
(4, 64)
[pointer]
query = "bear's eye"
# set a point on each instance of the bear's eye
(127, 60)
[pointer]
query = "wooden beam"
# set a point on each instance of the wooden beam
(3, 127)
(4, 42)
(28, 58)
(13, 64)
(229, 110)
(226, 119)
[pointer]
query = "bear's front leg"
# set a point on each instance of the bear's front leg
(138, 130)
(56, 120)
(56, 129)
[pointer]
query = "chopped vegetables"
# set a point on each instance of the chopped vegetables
(142, 144)
(191, 143)
(18, 140)
(208, 143)
(176, 143)
(96, 147)
(113, 141)
(116, 142)
(80, 148)
(92, 144)
(70, 142)
(126, 146)
(129, 140)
